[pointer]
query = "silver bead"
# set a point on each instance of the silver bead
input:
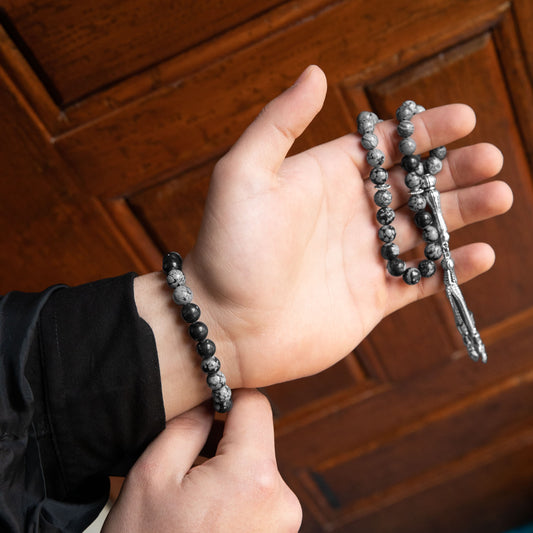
(182, 295)
(175, 277)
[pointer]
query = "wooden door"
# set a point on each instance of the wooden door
(113, 116)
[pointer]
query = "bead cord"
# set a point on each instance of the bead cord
(420, 179)
(190, 312)
(418, 173)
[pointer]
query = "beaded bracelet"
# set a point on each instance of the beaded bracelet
(420, 180)
(190, 312)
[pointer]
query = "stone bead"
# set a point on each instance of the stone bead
(365, 125)
(433, 251)
(216, 380)
(375, 157)
(378, 176)
(406, 110)
(430, 234)
(383, 198)
(182, 295)
(433, 165)
(419, 109)
(390, 251)
(407, 146)
(223, 407)
(367, 115)
(427, 268)
(172, 261)
(412, 181)
(396, 267)
(405, 128)
(175, 277)
(387, 233)
(210, 365)
(369, 141)
(423, 219)
(222, 395)
(439, 152)
(190, 313)
(417, 202)
(206, 348)
(412, 276)
(198, 331)
(385, 215)
(410, 163)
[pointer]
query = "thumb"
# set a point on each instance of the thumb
(265, 143)
(178, 445)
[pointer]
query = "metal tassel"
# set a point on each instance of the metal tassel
(464, 319)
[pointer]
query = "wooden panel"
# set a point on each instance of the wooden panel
(204, 113)
(80, 46)
(50, 232)
(453, 423)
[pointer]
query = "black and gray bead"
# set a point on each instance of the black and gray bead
(221, 395)
(206, 348)
(175, 277)
(387, 233)
(390, 250)
(412, 276)
(198, 331)
(210, 365)
(412, 181)
(396, 266)
(223, 407)
(427, 268)
(379, 176)
(417, 202)
(433, 251)
(190, 313)
(433, 165)
(172, 261)
(385, 215)
(383, 198)
(439, 152)
(182, 295)
(410, 163)
(430, 234)
(375, 157)
(216, 380)
(423, 219)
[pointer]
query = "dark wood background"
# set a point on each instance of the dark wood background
(112, 117)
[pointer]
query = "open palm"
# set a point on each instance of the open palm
(287, 260)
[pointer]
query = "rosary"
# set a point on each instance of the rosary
(420, 180)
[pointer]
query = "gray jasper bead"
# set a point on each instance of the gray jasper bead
(427, 268)
(175, 277)
(222, 407)
(385, 215)
(433, 251)
(405, 128)
(433, 165)
(369, 141)
(439, 152)
(378, 176)
(419, 109)
(417, 202)
(396, 266)
(412, 276)
(383, 198)
(390, 251)
(222, 395)
(210, 365)
(412, 181)
(365, 125)
(216, 380)
(407, 146)
(430, 234)
(406, 110)
(182, 295)
(387, 233)
(375, 157)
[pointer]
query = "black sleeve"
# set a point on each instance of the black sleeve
(89, 372)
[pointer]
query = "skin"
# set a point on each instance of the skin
(287, 272)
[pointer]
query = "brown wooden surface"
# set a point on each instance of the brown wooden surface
(113, 116)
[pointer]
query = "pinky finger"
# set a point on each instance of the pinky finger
(470, 261)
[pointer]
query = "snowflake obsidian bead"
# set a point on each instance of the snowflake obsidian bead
(175, 277)
(375, 157)
(427, 268)
(378, 176)
(417, 202)
(410, 163)
(390, 250)
(387, 233)
(383, 198)
(433, 251)
(216, 380)
(430, 234)
(423, 219)
(396, 266)
(210, 364)
(223, 407)
(182, 295)
(385, 215)
(412, 276)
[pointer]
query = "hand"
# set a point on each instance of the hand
(238, 490)
(287, 261)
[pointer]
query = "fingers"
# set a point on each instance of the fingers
(460, 207)
(249, 430)
(267, 140)
(461, 168)
(176, 448)
(434, 127)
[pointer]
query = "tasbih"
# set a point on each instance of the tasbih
(420, 179)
